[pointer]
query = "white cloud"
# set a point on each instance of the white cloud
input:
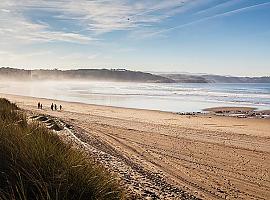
(20, 27)
(108, 15)
(16, 29)
(5, 10)
(95, 17)
(15, 57)
(79, 56)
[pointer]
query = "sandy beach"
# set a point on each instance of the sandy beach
(162, 155)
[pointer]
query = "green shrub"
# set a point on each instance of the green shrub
(36, 164)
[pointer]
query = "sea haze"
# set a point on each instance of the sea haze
(175, 97)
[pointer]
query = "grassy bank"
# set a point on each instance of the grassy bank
(36, 164)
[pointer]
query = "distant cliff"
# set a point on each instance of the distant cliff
(83, 74)
(234, 79)
(14, 74)
(190, 78)
(185, 78)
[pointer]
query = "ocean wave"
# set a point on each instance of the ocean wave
(130, 93)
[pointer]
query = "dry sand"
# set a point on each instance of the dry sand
(161, 154)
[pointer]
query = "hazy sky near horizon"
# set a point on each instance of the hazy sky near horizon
(229, 37)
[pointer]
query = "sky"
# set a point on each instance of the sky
(226, 37)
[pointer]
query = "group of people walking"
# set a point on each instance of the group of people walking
(39, 105)
(53, 106)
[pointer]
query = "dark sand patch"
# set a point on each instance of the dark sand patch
(230, 109)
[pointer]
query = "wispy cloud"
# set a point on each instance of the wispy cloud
(77, 56)
(228, 13)
(14, 27)
(107, 16)
(7, 56)
(94, 17)
(221, 5)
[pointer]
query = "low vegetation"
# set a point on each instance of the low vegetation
(36, 164)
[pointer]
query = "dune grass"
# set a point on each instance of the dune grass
(36, 164)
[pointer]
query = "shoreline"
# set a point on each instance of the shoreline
(208, 156)
(90, 104)
(152, 116)
(218, 111)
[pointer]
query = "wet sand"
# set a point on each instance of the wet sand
(163, 155)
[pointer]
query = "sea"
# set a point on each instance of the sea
(173, 97)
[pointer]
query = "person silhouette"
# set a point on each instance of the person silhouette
(38, 105)
(52, 106)
(55, 107)
(41, 106)
(60, 107)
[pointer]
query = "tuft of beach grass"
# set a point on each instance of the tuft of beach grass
(36, 164)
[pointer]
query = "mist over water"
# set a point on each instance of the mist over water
(175, 97)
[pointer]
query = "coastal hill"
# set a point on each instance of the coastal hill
(193, 78)
(83, 74)
(185, 78)
(122, 75)
(233, 79)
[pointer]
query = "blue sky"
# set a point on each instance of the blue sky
(230, 37)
